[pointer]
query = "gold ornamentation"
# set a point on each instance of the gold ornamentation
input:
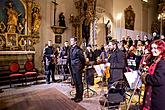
(22, 42)
(20, 28)
(11, 40)
(12, 18)
(2, 42)
(86, 12)
(2, 27)
(36, 20)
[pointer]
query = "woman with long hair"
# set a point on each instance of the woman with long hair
(154, 78)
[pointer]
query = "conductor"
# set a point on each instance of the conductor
(76, 63)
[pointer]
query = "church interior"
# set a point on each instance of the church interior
(26, 26)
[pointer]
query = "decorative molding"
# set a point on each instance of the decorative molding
(2, 41)
(16, 52)
(58, 29)
(100, 10)
(2, 27)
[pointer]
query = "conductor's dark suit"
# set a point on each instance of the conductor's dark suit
(77, 63)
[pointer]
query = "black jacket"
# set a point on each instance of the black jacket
(64, 52)
(90, 55)
(76, 59)
(157, 81)
(117, 65)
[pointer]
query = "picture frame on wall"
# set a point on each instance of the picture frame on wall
(11, 40)
(58, 39)
(129, 18)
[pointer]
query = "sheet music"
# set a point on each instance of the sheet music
(100, 68)
(132, 78)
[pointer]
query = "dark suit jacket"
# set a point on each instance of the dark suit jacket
(90, 55)
(76, 59)
(64, 52)
(157, 81)
(117, 65)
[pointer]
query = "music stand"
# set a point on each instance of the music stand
(61, 70)
(100, 72)
(137, 83)
(88, 90)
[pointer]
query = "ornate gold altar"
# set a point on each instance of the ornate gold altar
(19, 25)
(85, 18)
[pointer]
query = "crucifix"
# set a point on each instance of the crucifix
(54, 2)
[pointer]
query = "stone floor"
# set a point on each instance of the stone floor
(91, 103)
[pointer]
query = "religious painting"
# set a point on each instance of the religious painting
(11, 40)
(58, 39)
(129, 18)
(12, 12)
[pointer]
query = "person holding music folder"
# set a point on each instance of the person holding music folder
(49, 61)
(77, 63)
(154, 78)
(64, 56)
(117, 62)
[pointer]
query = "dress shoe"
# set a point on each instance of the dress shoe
(78, 100)
(47, 82)
(1, 91)
(54, 81)
(73, 98)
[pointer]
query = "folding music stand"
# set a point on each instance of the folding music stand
(61, 70)
(88, 90)
(100, 71)
(134, 84)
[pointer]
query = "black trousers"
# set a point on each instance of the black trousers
(49, 71)
(65, 71)
(77, 79)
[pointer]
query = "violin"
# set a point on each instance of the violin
(106, 72)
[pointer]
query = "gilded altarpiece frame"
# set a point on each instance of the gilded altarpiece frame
(11, 40)
(129, 18)
(21, 36)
